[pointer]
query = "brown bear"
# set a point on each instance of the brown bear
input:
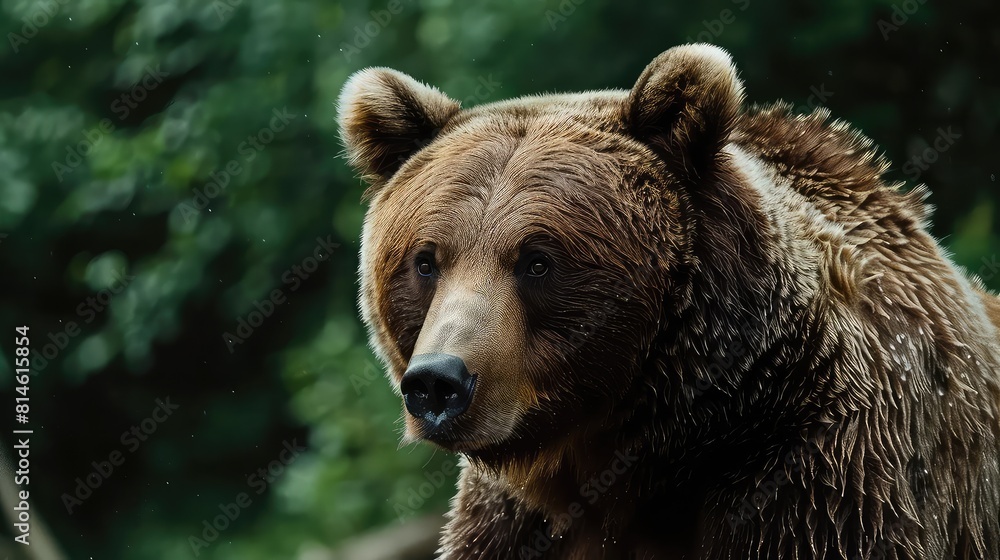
(659, 324)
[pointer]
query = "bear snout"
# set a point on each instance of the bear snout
(437, 388)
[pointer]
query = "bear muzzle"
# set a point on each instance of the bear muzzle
(437, 389)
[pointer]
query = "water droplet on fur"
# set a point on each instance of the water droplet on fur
(887, 300)
(940, 392)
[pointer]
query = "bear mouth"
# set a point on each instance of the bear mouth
(444, 432)
(456, 435)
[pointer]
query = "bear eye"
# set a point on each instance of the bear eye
(538, 267)
(424, 266)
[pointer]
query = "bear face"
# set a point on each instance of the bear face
(508, 235)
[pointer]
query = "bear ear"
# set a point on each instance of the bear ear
(685, 104)
(385, 117)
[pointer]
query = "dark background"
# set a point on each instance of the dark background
(173, 264)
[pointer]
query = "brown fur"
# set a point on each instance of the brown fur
(741, 321)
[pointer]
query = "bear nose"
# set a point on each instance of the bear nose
(437, 387)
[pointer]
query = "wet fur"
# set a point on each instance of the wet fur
(770, 314)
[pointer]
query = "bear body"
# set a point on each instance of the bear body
(659, 324)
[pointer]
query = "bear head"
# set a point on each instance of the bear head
(520, 259)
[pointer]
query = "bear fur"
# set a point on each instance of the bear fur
(741, 341)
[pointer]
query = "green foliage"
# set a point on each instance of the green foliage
(176, 161)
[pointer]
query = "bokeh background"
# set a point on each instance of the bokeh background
(166, 165)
